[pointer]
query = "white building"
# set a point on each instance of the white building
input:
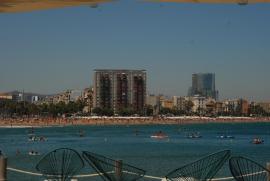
(35, 99)
(179, 102)
(199, 103)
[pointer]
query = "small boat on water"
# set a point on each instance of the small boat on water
(159, 135)
(33, 153)
(33, 137)
(194, 135)
(257, 141)
(225, 137)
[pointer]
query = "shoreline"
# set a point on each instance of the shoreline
(101, 121)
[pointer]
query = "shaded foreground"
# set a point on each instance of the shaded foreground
(40, 122)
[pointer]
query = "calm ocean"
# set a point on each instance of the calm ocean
(157, 157)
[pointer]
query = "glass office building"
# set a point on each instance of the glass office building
(203, 84)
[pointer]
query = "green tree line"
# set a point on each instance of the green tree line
(10, 108)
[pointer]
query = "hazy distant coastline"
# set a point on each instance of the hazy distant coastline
(43, 122)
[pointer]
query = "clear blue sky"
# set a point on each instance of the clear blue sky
(50, 51)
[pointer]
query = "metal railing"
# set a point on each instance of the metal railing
(94, 175)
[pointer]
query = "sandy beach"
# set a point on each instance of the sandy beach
(44, 122)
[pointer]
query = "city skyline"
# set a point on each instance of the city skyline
(190, 92)
(42, 52)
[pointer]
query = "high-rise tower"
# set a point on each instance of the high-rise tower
(203, 84)
(118, 89)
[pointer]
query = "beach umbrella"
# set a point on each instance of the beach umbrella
(11, 6)
(240, 2)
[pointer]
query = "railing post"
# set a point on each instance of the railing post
(118, 169)
(268, 168)
(3, 167)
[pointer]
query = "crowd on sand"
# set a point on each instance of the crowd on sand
(40, 122)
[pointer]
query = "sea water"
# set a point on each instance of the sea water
(134, 145)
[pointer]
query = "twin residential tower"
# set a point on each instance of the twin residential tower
(120, 89)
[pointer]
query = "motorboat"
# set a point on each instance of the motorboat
(159, 135)
(257, 141)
